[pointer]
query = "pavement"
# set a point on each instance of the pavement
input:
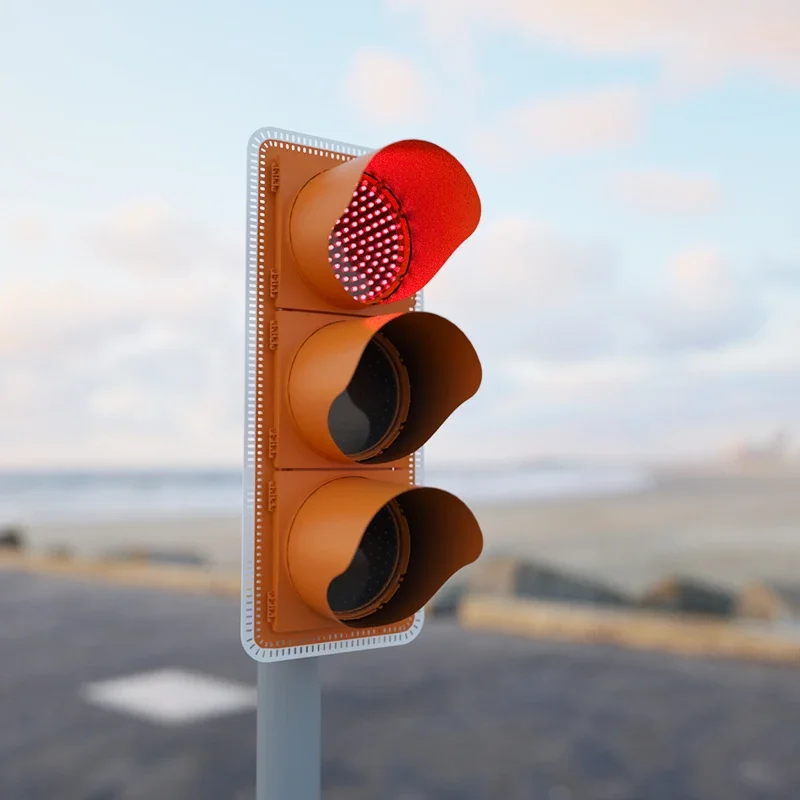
(111, 693)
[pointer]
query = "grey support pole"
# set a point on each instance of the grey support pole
(289, 724)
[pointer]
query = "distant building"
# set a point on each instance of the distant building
(684, 595)
(773, 602)
(775, 452)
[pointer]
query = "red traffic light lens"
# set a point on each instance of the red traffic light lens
(369, 245)
(377, 228)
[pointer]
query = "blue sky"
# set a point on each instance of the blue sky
(640, 180)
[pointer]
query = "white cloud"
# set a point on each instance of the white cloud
(520, 290)
(692, 41)
(700, 278)
(624, 407)
(581, 359)
(668, 192)
(669, 408)
(387, 88)
(39, 320)
(71, 316)
(151, 238)
(148, 368)
(117, 379)
(516, 260)
(166, 404)
(707, 305)
(126, 365)
(29, 231)
(573, 122)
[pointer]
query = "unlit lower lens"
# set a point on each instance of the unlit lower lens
(374, 569)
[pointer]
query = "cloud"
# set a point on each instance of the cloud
(784, 273)
(582, 356)
(519, 261)
(701, 280)
(386, 88)
(573, 122)
(706, 305)
(122, 366)
(74, 317)
(175, 406)
(518, 287)
(123, 380)
(523, 291)
(151, 238)
(142, 366)
(693, 42)
(625, 408)
(28, 231)
(666, 192)
(631, 408)
(42, 320)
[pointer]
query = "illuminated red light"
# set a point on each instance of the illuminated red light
(369, 245)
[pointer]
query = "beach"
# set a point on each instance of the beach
(723, 527)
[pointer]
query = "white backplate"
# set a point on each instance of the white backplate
(248, 511)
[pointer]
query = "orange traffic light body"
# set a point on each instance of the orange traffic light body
(346, 381)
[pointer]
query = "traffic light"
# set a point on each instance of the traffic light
(346, 380)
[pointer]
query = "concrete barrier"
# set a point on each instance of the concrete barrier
(11, 540)
(128, 573)
(633, 629)
(642, 630)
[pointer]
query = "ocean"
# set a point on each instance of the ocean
(53, 497)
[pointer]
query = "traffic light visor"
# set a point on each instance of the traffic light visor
(377, 229)
(371, 553)
(375, 389)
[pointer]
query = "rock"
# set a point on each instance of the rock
(447, 600)
(11, 539)
(60, 553)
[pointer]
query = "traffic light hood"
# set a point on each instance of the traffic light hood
(330, 531)
(375, 389)
(377, 228)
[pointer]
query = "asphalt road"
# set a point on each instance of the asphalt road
(453, 715)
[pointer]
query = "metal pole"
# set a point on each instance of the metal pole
(289, 725)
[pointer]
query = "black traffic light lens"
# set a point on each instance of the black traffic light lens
(366, 417)
(376, 569)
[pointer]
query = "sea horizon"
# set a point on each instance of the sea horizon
(60, 495)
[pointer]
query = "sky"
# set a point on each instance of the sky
(633, 288)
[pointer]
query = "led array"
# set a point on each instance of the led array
(368, 246)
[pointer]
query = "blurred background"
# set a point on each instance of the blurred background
(633, 455)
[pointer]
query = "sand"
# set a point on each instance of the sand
(216, 540)
(729, 529)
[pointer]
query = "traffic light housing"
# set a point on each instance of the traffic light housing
(346, 380)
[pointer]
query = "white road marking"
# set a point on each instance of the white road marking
(171, 696)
